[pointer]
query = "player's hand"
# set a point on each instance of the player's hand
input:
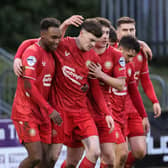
(146, 49)
(156, 110)
(146, 125)
(110, 122)
(17, 67)
(95, 70)
(56, 117)
(75, 20)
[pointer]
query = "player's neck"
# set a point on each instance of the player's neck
(78, 43)
(40, 43)
(100, 50)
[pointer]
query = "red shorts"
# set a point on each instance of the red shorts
(134, 125)
(117, 135)
(78, 128)
(29, 131)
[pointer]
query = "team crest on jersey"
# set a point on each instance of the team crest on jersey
(140, 58)
(31, 60)
(88, 62)
(108, 64)
(32, 132)
(122, 61)
(129, 72)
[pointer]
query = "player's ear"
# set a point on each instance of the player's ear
(42, 34)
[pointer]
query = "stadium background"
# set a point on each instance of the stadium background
(19, 20)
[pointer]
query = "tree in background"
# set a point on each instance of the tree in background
(19, 19)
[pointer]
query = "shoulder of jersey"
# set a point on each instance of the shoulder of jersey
(33, 48)
(115, 49)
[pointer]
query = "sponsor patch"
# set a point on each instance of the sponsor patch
(28, 67)
(31, 60)
(122, 61)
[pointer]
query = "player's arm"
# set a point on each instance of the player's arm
(146, 49)
(95, 70)
(136, 99)
(75, 20)
(150, 92)
(31, 60)
(17, 64)
(33, 93)
(138, 103)
(100, 101)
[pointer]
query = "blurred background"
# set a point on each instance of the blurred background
(19, 20)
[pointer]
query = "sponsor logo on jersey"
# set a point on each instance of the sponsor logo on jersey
(140, 58)
(120, 93)
(108, 64)
(129, 72)
(71, 74)
(47, 80)
(122, 61)
(67, 53)
(31, 60)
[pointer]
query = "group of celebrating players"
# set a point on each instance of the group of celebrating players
(83, 92)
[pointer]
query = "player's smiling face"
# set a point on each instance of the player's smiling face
(126, 29)
(128, 54)
(102, 42)
(87, 40)
(51, 38)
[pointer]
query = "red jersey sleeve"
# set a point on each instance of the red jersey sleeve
(25, 44)
(146, 82)
(98, 96)
(148, 88)
(119, 67)
(134, 93)
(144, 68)
(31, 61)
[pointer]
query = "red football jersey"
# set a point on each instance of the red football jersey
(113, 64)
(72, 77)
(129, 107)
(140, 63)
(140, 66)
(39, 66)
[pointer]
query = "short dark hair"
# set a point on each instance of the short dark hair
(124, 20)
(130, 42)
(92, 26)
(103, 21)
(49, 22)
(113, 34)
